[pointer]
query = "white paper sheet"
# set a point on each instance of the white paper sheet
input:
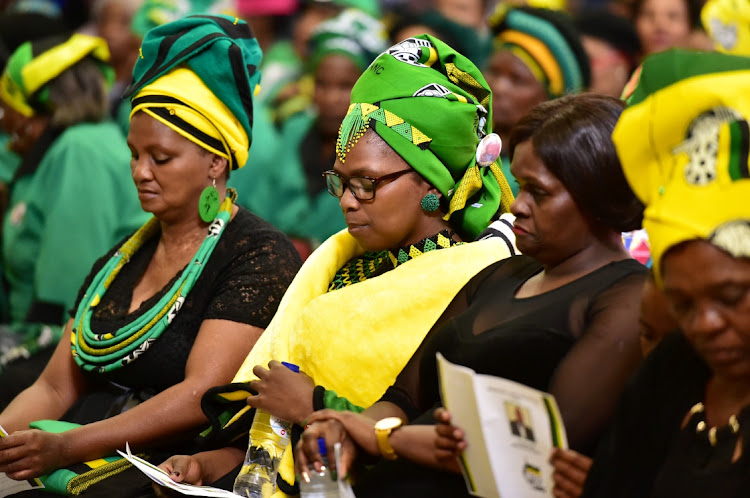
(510, 431)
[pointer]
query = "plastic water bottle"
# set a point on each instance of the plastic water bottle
(269, 436)
(321, 483)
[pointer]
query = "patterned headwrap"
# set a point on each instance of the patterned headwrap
(23, 83)
(547, 42)
(198, 76)
(352, 34)
(727, 22)
(153, 13)
(432, 106)
(684, 144)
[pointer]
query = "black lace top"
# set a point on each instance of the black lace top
(243, 281)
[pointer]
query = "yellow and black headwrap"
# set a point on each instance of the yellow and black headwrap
(23, 85)
(684, 145)
(198, 76)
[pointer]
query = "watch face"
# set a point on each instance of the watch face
(388, 423)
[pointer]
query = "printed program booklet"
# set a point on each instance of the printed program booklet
(8, 486)
(510, 430)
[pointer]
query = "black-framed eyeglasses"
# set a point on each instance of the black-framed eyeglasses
(362, 187)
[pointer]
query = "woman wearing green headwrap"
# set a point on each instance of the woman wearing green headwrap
(288, 191)
(173, 309)
(70, 198)
(411, 189)
(537, 55)
(559, 318)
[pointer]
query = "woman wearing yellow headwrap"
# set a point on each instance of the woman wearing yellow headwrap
(683, 428)
(69, 200)
(173, 309)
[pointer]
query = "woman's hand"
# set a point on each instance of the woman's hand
(31, 453)
(184, 468)
(571, 469)
(450, 440)
(354, 431)
(282, 392)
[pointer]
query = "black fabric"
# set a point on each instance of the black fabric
(591, 323)
(243, 281)
(21, 374)
(647, 454)
(312, 164)
(45, 312)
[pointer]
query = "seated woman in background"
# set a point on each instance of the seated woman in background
(174, 309)
(560, 317)
(411, 190)
(536, 55)
(70, 199)
(682, 426)
(340, 49)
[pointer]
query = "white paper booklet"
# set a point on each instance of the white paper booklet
(163, 479)
(510, 431)
(8, 486)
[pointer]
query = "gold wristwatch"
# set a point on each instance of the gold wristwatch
(383, 429)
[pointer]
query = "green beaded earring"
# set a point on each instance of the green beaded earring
(208, 204)
(430, 203)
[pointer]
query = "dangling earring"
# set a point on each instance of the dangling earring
(430, 203)
(208, 205)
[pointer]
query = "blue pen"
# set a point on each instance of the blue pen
(291, 366)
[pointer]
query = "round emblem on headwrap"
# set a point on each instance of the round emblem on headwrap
(723, 34)
(733, 237)
(412, 51)
(702, 144)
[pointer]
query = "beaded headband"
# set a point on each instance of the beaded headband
(357, 121)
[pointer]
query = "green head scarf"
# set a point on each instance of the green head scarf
(352, 34)
(432, 106)
(223, 53)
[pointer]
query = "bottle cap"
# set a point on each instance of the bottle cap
(291, 366)
(322, 446)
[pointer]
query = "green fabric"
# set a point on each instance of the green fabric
(153, 13)
(666, 68)
(280, 66)
(339, 403)
(221, 50)
(449, 102)
(352, 34)
(72, 210)
(512, 182)
(276, 189)
(369, 7)
(9, 160)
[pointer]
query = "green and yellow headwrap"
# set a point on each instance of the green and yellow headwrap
(684, 144)
(153, 13)
(22, 85)
(198, 76)
(727, 22)
(352, 34)
(432, 106)
(547, 42)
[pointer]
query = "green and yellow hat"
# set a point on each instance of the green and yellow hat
(198, 75)
(29, 69)
(432, 106)
(547, 42)
(153, 13)
(684, 144)
(353, 34)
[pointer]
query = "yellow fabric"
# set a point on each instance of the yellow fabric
(539, 51)
(356, 340)
(203, 110)
(727, 22)
(651, 137)
(48, 66)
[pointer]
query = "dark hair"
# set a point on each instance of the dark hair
(613, 29)
(572, 137)
(693, 7)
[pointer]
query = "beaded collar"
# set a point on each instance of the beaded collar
(372, 264)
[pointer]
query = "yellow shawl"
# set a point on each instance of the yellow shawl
(356, 340)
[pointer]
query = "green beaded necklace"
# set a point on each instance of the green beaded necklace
(110, 351)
